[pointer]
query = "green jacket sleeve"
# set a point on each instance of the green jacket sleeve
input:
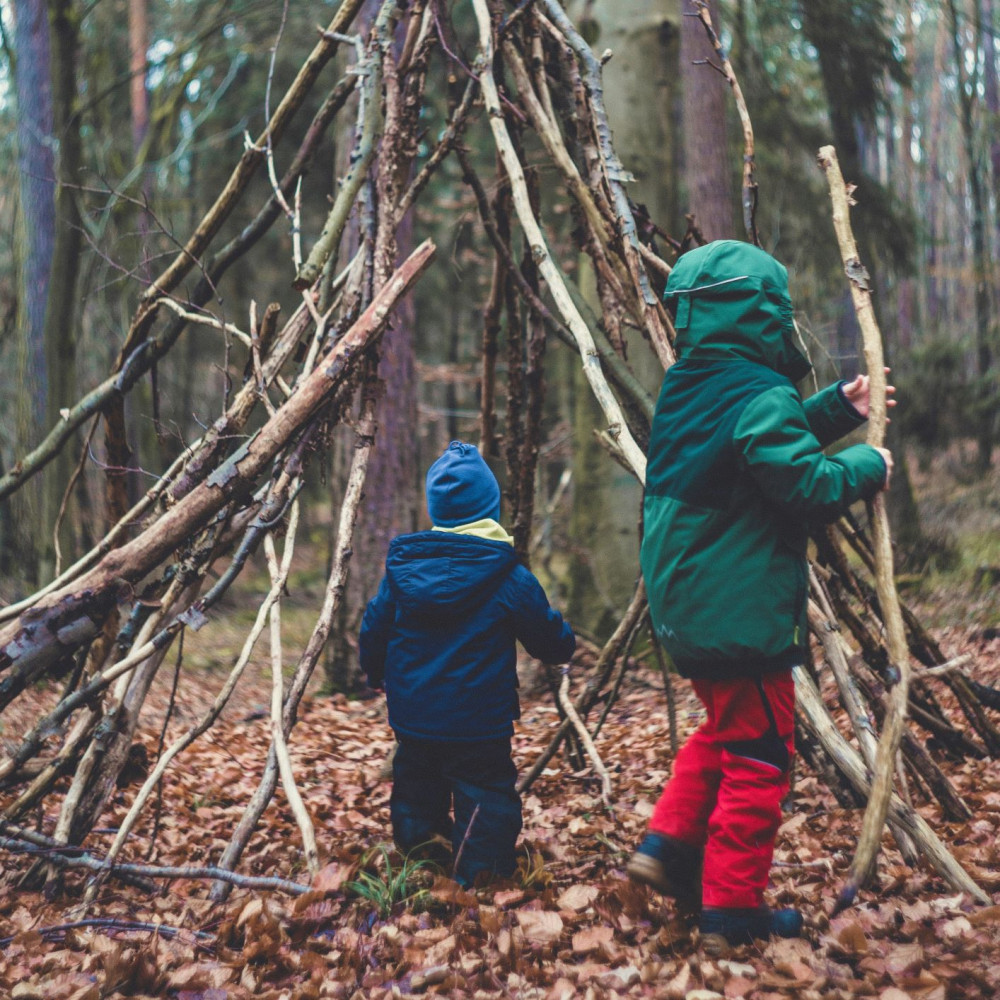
(830, 415)
(784, 457)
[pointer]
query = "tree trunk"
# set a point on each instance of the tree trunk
(707, 171)
(390, 506)
(61, 312)
(34, 245)
(968, 85)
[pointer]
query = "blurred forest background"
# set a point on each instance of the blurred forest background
(122, 121)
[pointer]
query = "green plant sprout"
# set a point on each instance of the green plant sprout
(392, 885)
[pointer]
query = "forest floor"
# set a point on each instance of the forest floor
(569, 924)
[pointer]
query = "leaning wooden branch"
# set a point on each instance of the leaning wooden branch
(298, 807)
(74, 615)
(69, 857)
(618, 426)
(850, 764)
(602, 671)
(615, 175)
(899, 654)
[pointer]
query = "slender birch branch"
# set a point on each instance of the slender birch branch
(278, 574)
(899, 653)
(588, 744)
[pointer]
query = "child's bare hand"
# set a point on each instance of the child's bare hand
(858, 394)
(887, 457)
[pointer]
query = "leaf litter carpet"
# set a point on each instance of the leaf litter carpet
(568, 925)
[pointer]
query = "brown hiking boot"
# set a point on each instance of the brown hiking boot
(669, 866)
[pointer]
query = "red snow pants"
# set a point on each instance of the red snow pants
(728, 782)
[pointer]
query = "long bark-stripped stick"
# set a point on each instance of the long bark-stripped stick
(588, 744)
(336, 585)
(547, 131)
(899, 654)
(852, 767)
(618, 427)
(214, 710)
(599, 216)
(615, 174)
(749, 174)
(298, 807)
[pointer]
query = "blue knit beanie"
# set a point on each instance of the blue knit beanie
(461, 488)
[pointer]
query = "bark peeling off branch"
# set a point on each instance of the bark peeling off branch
(615, 176)
(581, 730)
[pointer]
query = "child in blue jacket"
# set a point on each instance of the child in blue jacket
(440, 637)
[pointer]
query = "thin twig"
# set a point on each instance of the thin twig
(588, 744)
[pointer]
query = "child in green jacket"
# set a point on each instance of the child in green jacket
(736, 475)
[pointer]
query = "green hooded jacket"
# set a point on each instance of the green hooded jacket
(737, 471)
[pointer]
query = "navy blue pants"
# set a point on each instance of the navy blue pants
(476, 779)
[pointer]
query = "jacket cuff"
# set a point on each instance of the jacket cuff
(849, 407)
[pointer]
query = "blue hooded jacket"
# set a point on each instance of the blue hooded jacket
(440, 635)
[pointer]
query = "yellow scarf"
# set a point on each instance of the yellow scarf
(485, 527)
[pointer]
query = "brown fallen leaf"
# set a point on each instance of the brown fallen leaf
(578, 897)
(540, 926)
(591, 939)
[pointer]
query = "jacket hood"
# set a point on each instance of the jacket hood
(438, 574)
(730, 300)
